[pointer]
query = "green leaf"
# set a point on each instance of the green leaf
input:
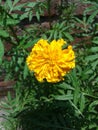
(93, 49)
(20, 6)
(30, 15)
(75, 83)
(68, 36)
(55, 34)
(11, 21)
(9, 3)
(82, 102)
(91, 17)
(25, 72)
(60, 35)
(91, 57)
(15, 2)
(92, 105)
(63, 97)
(95, 40)
(38, 16)
(31, 4)
(3, 33)
(77, 110)
(9, 97)
(61, 92)
(79, 21)
(66, 86)
(30, 44)
(93, 126)
(51, 32)
(23, 16)
(62, 25)
(1, 51)
(94, 64)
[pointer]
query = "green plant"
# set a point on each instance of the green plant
(68, 105)
(58, 30)
(11, 106)
(88, 25)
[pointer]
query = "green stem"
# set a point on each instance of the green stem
(91, 96)
(14, 34)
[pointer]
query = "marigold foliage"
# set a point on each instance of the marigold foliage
(49, 61)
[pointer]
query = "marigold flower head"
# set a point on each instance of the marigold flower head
(49, 61)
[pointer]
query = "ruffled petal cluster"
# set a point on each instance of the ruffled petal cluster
(49, 61)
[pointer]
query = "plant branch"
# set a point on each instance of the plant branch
(14, 34)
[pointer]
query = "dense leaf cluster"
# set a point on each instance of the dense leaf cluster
(68, 105)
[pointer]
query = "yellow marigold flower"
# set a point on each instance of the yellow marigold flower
(50, 61)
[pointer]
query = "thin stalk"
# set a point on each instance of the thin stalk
(14, 34)
(91, 96)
